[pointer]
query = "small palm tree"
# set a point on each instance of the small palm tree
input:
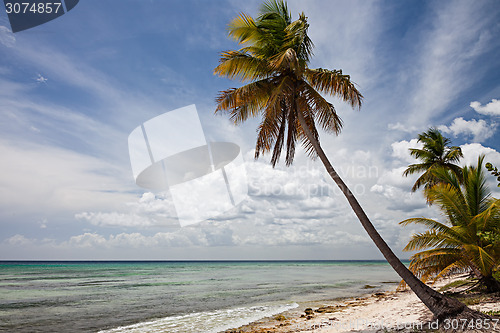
(435, 153)
(286, 93)
(469, 238)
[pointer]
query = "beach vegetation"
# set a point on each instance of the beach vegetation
(494, 171)
(281, 89)
(280, 317)
(461, 283)
(467, 239)
(436, 153)
(492, 312)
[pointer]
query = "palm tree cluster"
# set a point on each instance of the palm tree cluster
(468, 238)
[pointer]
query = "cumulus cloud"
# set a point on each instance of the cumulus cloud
(186, 237)
(490, 109)
(298, 193)
(397, 190)
(116, 219)
(18, 240)
(480, 130)
(296, 206)
(393, 187)
(401, 150)
(471, 151)
(302, 236)
(149, 211)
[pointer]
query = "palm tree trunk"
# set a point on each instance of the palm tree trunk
(441, 306)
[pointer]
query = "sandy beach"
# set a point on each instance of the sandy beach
(392, 311)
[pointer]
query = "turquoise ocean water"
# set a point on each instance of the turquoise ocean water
(170, 296)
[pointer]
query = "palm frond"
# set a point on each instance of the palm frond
(453, 154)
(324, 112)
(279, 8)
(451, 201)
(476, 190)
(270, 128)
(293, 123)
(297, 38)
(489, 218)
(241, 65)
(429, 238)
(335, 83)
(284, 61)
(481, 258)
(429, 223)
(244, 102)
(302, 105)
(243, 29)
(423, 154)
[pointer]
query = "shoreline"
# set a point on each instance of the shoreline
(389, 311)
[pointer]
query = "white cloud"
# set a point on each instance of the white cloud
(480, 130)
(91, 240)
(7, 37)
(149, 211)
(397, 190)
(274, 235)
(43, 223)
(471, 151)
(18, 240)
(184, 237)
(41, 79)
(116, 219)
(401, 150)
(402, 127)
(490, 109)
(38, 179)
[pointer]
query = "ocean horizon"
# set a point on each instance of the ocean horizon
(172, 296)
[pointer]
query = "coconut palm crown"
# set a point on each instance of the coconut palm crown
(275, 59)
(435, 153)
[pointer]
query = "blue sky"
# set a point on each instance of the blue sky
(73, 89)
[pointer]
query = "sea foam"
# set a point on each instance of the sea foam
(208, 322)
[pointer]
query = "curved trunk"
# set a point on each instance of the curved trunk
(440, 305)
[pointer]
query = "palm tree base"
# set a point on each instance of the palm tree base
(467, 320)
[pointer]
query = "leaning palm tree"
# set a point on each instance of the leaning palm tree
(468, 240)
(287, 94)
(435, 153)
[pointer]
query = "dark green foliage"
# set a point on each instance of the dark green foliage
(494, 171)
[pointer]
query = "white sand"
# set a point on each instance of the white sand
(389, 311)
(401, 311)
